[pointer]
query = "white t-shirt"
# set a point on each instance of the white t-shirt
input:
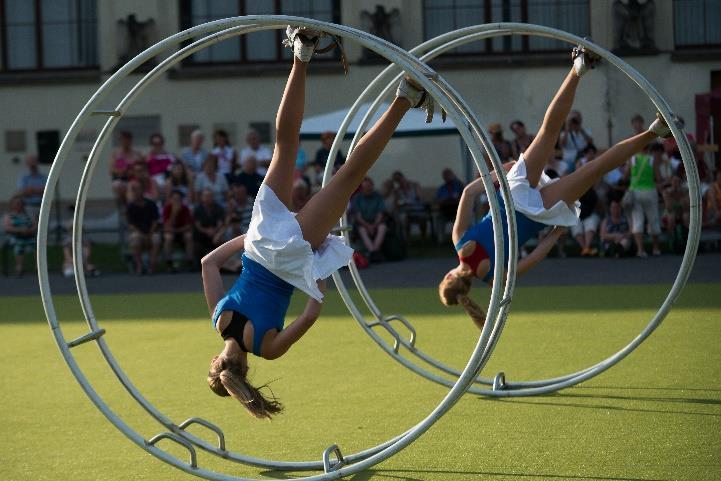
(225, 158)
(575, 143)
(219, 187)
(262, 154)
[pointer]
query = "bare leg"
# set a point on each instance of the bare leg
(541, 149)
(287, 128)
(365, 237)
(570, 188)
(379, 237)
(324, 209)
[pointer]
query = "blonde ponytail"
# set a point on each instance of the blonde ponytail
(453, 290)
(473, 310)
(226, 378)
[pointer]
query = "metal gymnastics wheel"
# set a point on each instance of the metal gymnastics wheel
(380, 87)
(333, 463)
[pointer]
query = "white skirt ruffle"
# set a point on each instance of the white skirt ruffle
(275, 241)
(528, 199)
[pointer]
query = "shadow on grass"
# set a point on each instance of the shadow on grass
(400, 474)
(561, 400)
(647, 388)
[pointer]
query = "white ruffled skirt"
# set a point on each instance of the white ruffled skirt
(528, 199)
(275, 241)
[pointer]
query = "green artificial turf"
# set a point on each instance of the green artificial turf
(655, 416)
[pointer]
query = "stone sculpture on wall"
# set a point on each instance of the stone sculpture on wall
(633, 25)
(383, 24)
(133, 37)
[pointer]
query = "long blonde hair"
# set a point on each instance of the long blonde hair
(453, 290)
(226, 378)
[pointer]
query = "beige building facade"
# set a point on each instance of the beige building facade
(50, 68)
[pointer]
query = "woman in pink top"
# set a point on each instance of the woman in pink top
(121, 163)
(159, 160)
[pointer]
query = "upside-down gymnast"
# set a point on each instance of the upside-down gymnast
(284, 250)
(539, 201)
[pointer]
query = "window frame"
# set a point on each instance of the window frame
(488, 51)
(698, 46)
(186, 21)
(38, 29)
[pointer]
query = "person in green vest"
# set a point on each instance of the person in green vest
(643, 175)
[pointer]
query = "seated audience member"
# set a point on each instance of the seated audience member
(404, 197)
(448, 195)
(159, 160)
(585, 231)
(260, 153)
(321, 155)
(676, 213)
(178, 179)
(148, 186)
(177, 229)
(300, 194)
(522, 140)
(712, 204)
(369, 219)
(574, 138)
(194, 155)
(615, 232)
(212, 180)
(121, 166)
(248, 176)
(88, 267)
(503, 147)
(31, 185)
(21, 230)
(142, 216)
(224, 152)
(209, 218)
(240, 206)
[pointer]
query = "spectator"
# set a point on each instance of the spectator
(615, 235)
(212, 180)
(712, 212)
(224, 152)
(248, 177)
(88, 267)
(642, 196)
(31, 185)
(179, 180)
(260, 153)
(142, 215)
(159, 160)
(665, 168)
(177, 229)
(574, 138)
(585, 230)
(448, 195)
(503, 147)
(300, 194)
(369, 218)
(121, 164)
(240, 207)
(209, 219)
(148, 186)
(405, 199)
(522, 140)
(21, 229)
(194, 155)
(676, 212)
(321, 155)
(638, 124)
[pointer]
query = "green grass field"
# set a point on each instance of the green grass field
(656, 416)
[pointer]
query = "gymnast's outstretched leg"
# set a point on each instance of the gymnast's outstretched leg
(541, 149)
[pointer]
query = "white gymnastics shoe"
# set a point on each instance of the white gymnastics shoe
(660, 127)
(418, 98)
(583, 60)
(303, 41)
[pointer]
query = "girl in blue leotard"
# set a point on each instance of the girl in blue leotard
(282, 250)
(539, 201)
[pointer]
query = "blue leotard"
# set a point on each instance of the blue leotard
(482, 233)
(259, 295)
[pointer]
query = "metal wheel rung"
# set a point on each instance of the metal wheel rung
(206, 424)
(91, 336)
(341, 229)
(109, 113)
(328, 464)
(174, 437)
(504, 301)
(391, 331)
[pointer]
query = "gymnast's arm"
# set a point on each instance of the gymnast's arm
(464, 213)
(210, 265)
(540, 252)
(296, 329)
